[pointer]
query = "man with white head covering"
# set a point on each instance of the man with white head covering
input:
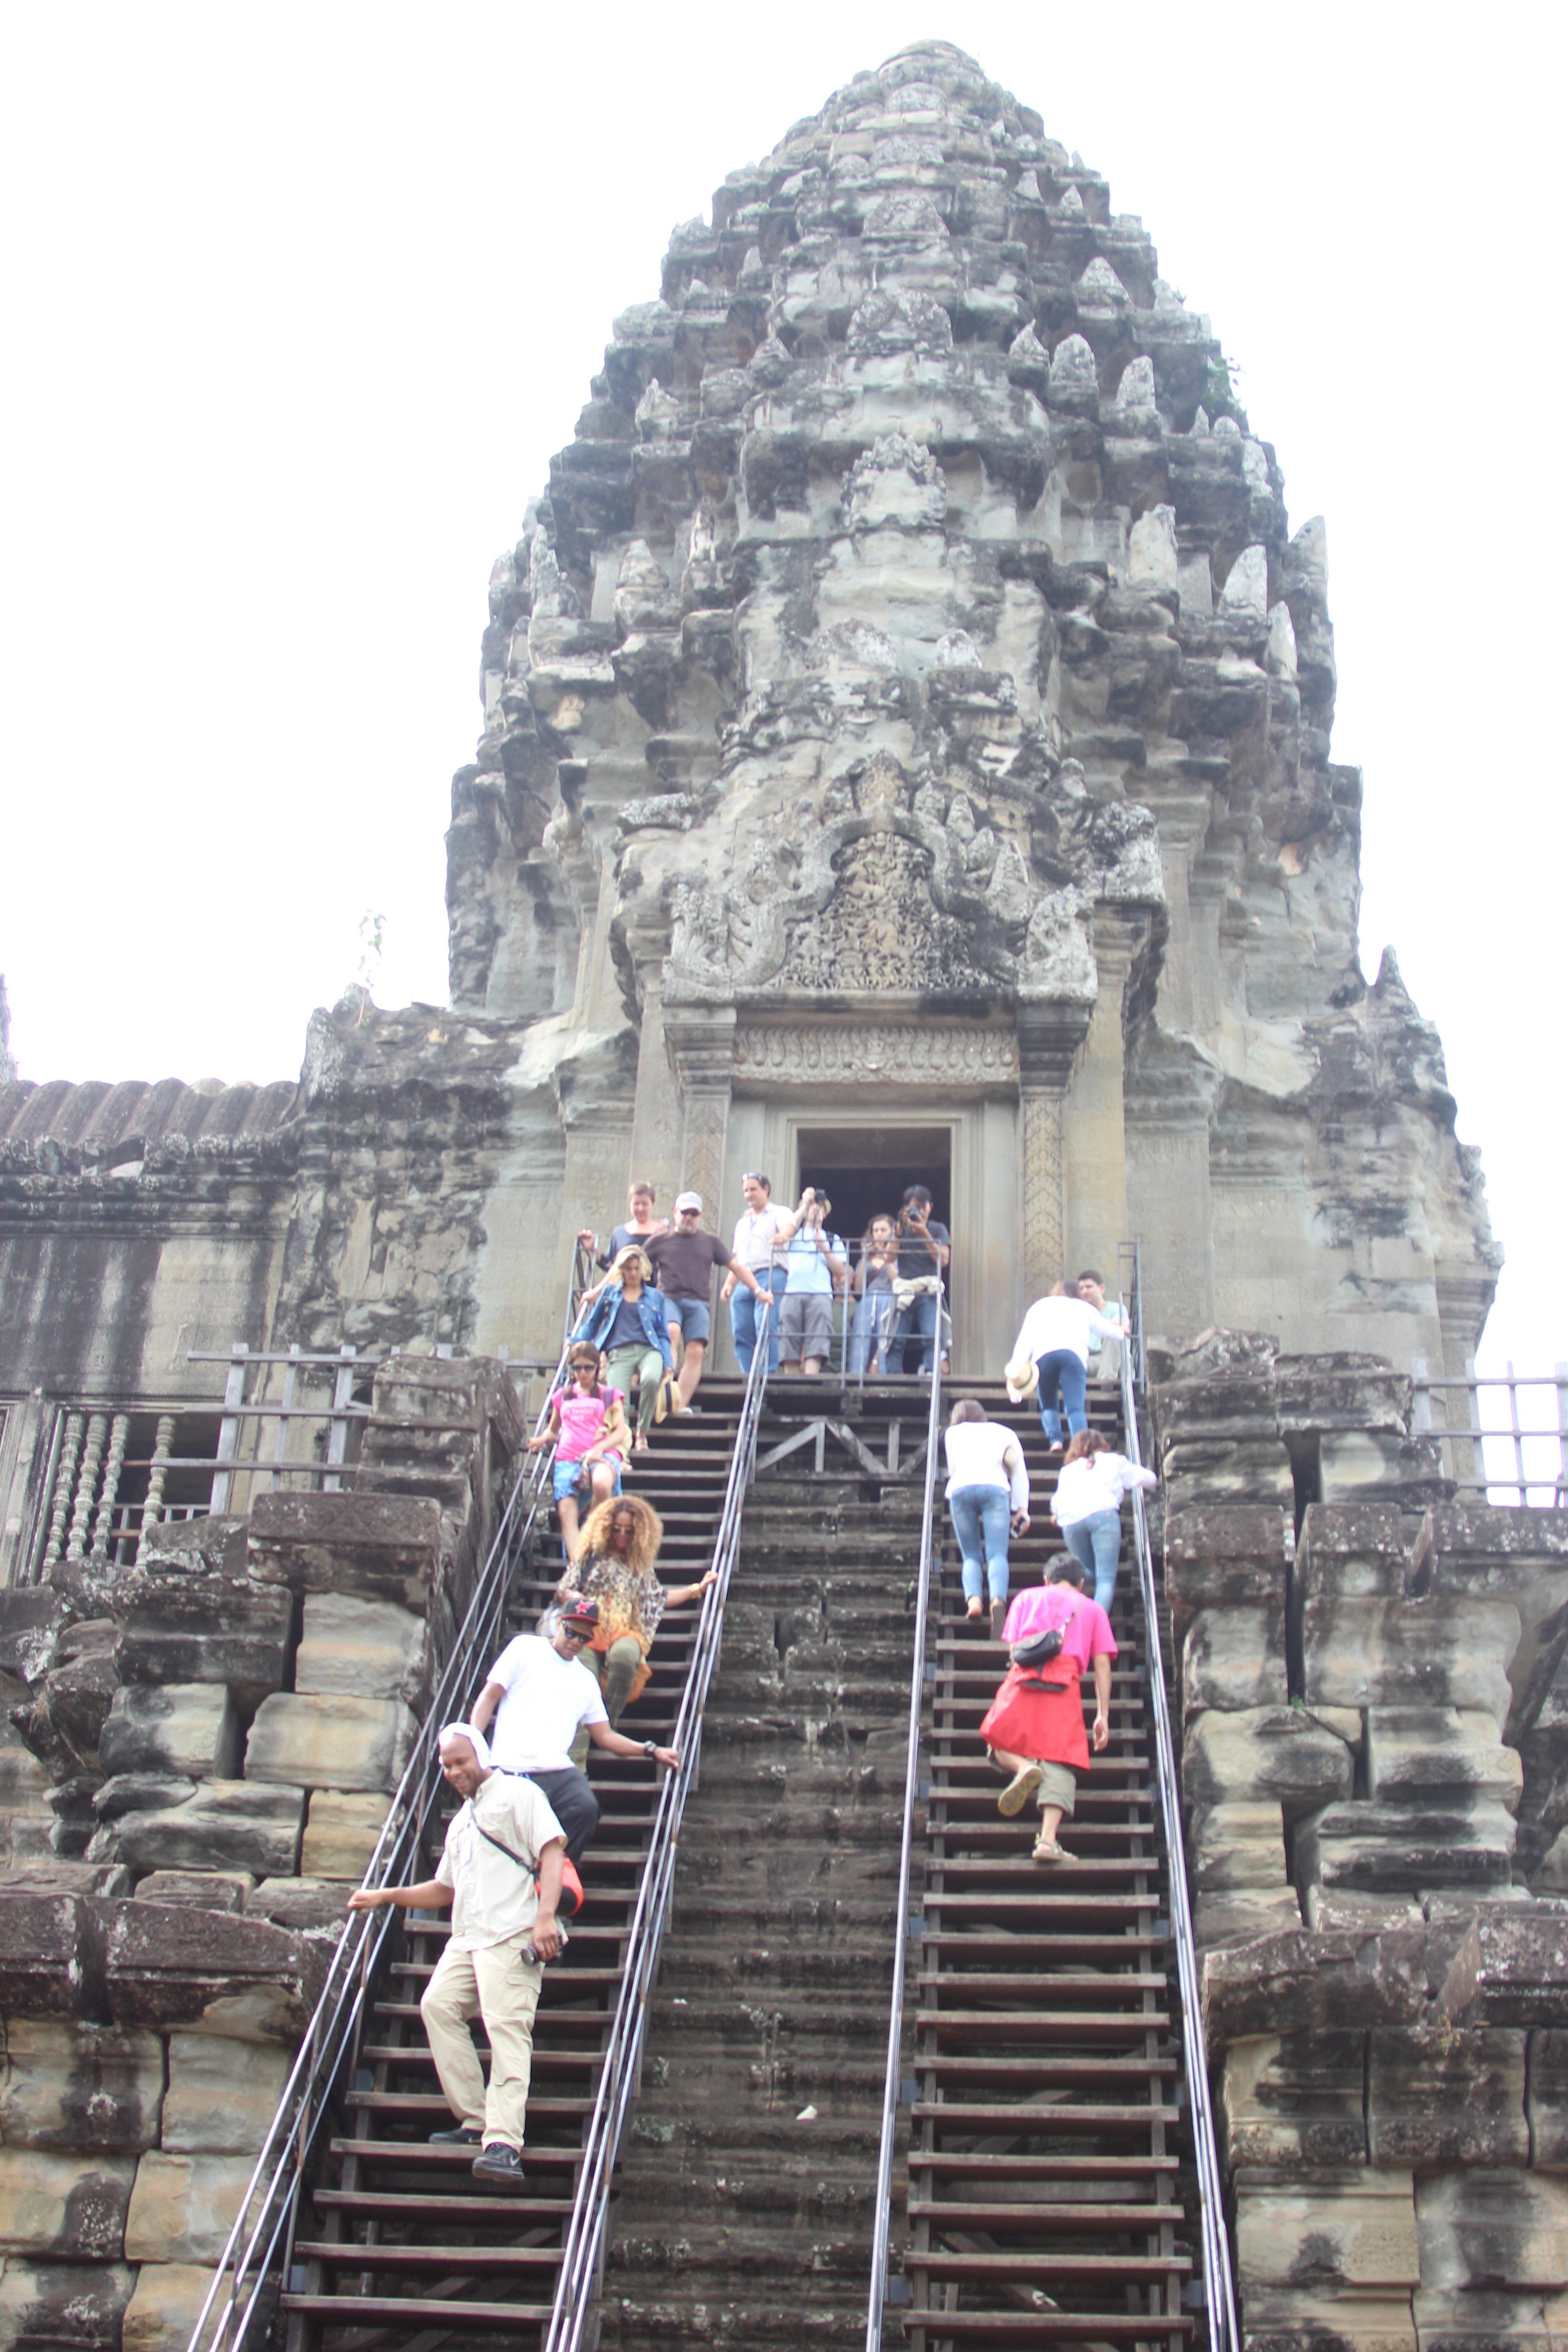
(500, 1871)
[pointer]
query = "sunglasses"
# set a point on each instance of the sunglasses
(574, 1633)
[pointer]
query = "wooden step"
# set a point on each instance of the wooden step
(384, 2256)
(416, 2313)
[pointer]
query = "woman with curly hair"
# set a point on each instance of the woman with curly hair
(616, 1568)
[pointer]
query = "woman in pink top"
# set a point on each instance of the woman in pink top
(587, 1427)
(1035, 1724)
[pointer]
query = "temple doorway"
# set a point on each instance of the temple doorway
(865, 1171)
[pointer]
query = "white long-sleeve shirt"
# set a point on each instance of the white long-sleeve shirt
(1053, 1323)
(1095, 1482)
(977, 1456)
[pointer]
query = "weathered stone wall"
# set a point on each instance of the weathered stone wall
(198, 1761)
(1374, 1772)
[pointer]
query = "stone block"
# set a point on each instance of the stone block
(1508, 1556)
(138, 1793)
(1234, 1402)
(1322, 2231)
(1433, 1651)
(386, 1548)
(1227, 1556)
(167, 1967)
(197, 1890)
(1245, 1470)
(249, 1825)
(69, 2207)
(1234, 1658)
(1509, 1968)
(1242, 1914)
(1289, 1754)
(203, 1629)
(1360, 1549)
(362, 1649)
(1416, 1753)
(1381, 1849)
(1294, 2099)
(1343, 1390)
(67, 2306)
(222, 2094)
(1546, 2097)
(70, 2085)
(194, 1548)
(32, 1619)
(188, 1729)
(1491, 2226)
(339, 1836)
(1306, 1983)
(1340, 1911)
(1439, 2097)
(1240, 1845)
(51, 1954)
(163, 2312)
(182, 2207)
(308, 1904)
(330, 1743)
(1364, 1466)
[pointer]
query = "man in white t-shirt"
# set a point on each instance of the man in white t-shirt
(545, 1695)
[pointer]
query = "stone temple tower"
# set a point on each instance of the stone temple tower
(908, 740)
(906, 752)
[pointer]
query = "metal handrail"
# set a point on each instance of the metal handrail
(262, 2237)
(583, 2254)
(1224, 2333)
(882, 2227)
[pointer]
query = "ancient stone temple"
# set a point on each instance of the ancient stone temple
(906, 753)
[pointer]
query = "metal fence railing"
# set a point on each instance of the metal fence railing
(259, 2246)
(1219, 2276)
(882, 2220)
(1503, 1436)
(583, 2257)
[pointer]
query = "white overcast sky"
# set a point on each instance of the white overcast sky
(298, 302)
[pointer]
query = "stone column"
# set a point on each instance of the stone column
(702, 1041)
(1050, 1036)
(657, 1120)
(1095, 1143)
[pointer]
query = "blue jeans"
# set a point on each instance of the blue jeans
(744, 1318)
(868, 1333)
(982, 1519)
(1096, 1544)
(1064, 1369)
(918, 1321)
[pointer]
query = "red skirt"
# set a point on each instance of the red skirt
(1029, 1718)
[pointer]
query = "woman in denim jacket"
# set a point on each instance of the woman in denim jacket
(629, 1321)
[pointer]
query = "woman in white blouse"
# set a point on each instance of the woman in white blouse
(988, 1495)
(1087, 1507)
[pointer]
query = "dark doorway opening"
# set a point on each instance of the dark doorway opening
(865, 1171)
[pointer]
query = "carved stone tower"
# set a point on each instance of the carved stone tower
(908, 710)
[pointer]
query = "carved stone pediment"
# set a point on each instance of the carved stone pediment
(880, 888)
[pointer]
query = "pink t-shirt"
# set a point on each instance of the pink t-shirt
(1042, 1607)
(582, 1419)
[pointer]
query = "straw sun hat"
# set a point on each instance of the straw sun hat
(1023, 1378)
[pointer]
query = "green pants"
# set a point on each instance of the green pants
(649, 1364)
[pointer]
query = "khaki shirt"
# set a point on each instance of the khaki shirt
(494, 1900)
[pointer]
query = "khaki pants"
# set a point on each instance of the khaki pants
(500, 1986)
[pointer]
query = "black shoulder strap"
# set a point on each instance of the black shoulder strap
(524, 1861)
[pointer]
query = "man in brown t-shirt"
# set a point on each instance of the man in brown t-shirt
(683, 1264)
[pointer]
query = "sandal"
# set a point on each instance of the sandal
(1048, 1850)
(640, 1443)
(971, 1615)
(1018, 1791)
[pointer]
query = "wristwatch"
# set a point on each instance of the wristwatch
(648, 1748)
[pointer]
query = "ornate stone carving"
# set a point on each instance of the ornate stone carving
(910, 1054)
(882, 888)
(1045, 1220)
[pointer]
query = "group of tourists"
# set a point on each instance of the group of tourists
(508, 1865)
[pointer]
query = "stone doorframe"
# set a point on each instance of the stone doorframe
(982, 1143)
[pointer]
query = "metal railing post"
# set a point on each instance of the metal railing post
(1224, 2333)
(881, 2234)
